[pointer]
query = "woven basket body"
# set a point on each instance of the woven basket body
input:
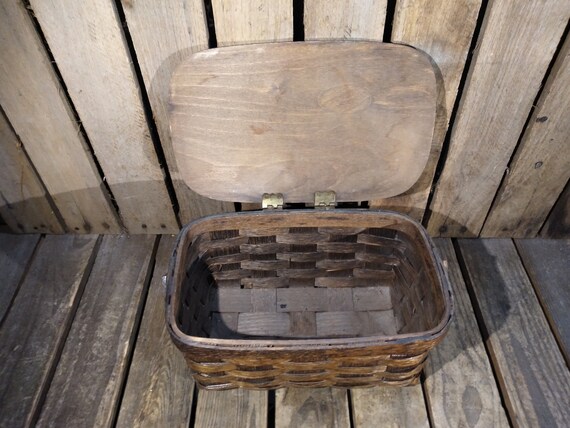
(271, 299)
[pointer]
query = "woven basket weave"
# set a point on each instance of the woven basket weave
(341, 298)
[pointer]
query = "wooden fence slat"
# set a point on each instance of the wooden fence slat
(541, 166)
(341, 19)
(534, 378)
(93, 361)
(443, 29)
(390, 407)
(36, 326)
(33, 101)
(235, 408)
(514, 50)
(15, 254)
(89, 48)
(23, 202)
(304, 407)
(159, 388)
(182, 31)
(547, 262)
(557, 224)
(460, 386)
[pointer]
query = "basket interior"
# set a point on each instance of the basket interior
(308, 282)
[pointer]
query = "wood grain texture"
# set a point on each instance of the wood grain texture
(443, 29)
(94, 360)
(338, 19)
(89, 48)
(528, 363)
(459, 384)
(35, 104)
(24, 204)
(301, 407)
(508, 66)
(15, 254)
(245, 21)
(182, 31)
(557, 224)
(35, 329)
(547, 262)
(296, 118)
(235, 408)
(541, 165)
(390, 407)
(159, 389)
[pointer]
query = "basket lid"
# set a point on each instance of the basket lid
(294, 118)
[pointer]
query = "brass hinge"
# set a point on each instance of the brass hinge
(272, 201)
(325, 200)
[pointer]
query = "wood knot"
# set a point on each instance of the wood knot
(345, 99)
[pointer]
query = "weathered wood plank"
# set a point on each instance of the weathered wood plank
(303, 407)
(245, 21)
(541, 166)
(35, 329)
(557, 224)
(87, 382)
(159, 388)
(547, 262)
(89, 48)
(507, 69)
(443, 29)
(534, 379)
(15, 254)
(35, 105)
(23, 202)
(460, 386)
(390, 407)
(234, 408)
(182, 31)
(341, 19)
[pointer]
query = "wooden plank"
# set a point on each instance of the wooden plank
(35, 104)
(304, 407)
(557, 224)
(89, 48)
(159, 389)
(547, 262)
(443, 29)
(15, 255)
(341, 19)
(541, 166)
(505, 76)
(24, 203)
(182, 31)
(94, 360)
(394, 407)
(245, 21)
(35, 329)
(459, 384)
(533, 376)
(234, 408)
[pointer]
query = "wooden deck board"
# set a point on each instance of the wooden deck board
(234, 408)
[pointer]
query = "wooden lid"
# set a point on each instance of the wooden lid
(295, 118)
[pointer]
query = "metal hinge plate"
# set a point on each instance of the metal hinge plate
(272, 201)
(325, 200)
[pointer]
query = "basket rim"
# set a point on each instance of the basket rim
(427, 336)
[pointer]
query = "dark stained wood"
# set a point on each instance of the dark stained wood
(296, 118)
(15, 254)
(236, 408)
(301, 407)
(460, 386)
(35, 329)
(89, 377)
(159, 389)
(557, 225)
(534, 378)
(547, 263)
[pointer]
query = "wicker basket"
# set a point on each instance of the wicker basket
(324, 297)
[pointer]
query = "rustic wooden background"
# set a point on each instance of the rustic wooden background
(84, 140)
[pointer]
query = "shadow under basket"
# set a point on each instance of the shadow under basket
(272, 299)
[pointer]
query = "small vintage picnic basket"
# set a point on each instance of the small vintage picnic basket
(305, 297)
